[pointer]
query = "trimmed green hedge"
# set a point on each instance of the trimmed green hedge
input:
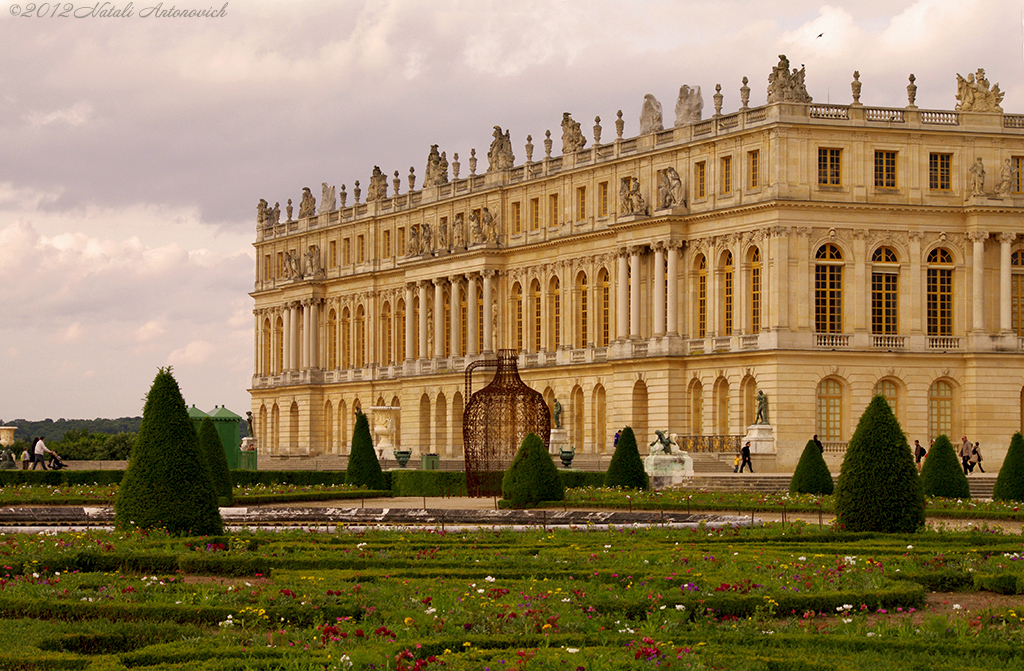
(428, 483)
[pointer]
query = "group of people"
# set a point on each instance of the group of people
(36, 455)
(970, 455)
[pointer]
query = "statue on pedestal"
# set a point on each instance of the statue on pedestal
(762, 408)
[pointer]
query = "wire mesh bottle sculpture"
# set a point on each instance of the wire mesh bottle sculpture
(496, 420)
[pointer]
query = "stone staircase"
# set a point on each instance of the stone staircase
(712, 462)
(981, 484)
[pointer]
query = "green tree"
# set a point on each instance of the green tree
(942, 473)
(363, 467)
(811, 475)
(167, 483)
(626, 468)
(878, 487)
(1010, 481)
(532, 477)
(216, 460)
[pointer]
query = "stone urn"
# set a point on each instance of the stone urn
(402, 456)
(384, 425)
(7, 435)
(566, 456)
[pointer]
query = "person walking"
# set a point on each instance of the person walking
(24, 459)
(40, 451)
(745, 453)
(821, 448)
(965, 455)
(976, 456)
(919, 454)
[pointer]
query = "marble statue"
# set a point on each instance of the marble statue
(426, 239)
(1006, 175)
(293, 265)
(314, 268)
(435, 174)
(261, 214)
(275, 214)
(490, 227)
(378, 189)
(327, 200)
(557, 414)
(499, 156)
(976, 175)
(689, 105)
(786, 86)
(414, 241)
(631, 201)
(459, 232)
(670, 191)
(855, 87)
(248, 423)
(441, 241)
(650, 115)
(307, 206)
(762, 408)
(572, 136)
(476, 233)
(974, 94)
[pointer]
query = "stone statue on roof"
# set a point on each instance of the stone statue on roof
(572, 136)
(689, 105)
(786, 86)
(499, 156)
(307, 206)
(974, 95)
(650, 115)
(327, 200)
(437, 171)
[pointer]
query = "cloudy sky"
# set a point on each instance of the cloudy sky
(133, 150)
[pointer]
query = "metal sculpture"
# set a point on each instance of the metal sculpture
(496, 420)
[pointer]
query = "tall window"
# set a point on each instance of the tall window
(332, 253)
(885, 169)
(583, 314)
(517, 222)
(463, 320)
(602, 199)
(279, 350)
(447, 349)
(1016, 180)
(830, 167)
(517, 315)
(604, 305)
(890, 391)
(556, 314)
(830, 410)
(480, 320)
(697, 409)
(553, 213)
(401, 242)
(400, 320)
(940, 292)
(828, 290)
(727, 174)
(332, 340)
(386, 243)
(702, 296)
(1017, 292)
(700, 179)
(884, 292)
(360, 358)
(386, 335)
(535, 214)
(939, 171)
(755, 290)
(727, 293)
(536, 299)
(940, 410)
(361, 249)
(581, 203)
(346, 251)
(754, 169)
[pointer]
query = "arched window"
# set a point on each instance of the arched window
(696, 408)
(517, 315)
(447, 316)
(940, 292)
(600, 436)
(578, 425)
(830, 410)
(890, 391)
(416, 320)
(480, 320)
(279, 346)
(885, 296)
(328, 427)
(604, 305)
(400, 321)
(940, 410)
(755, 290)
(583, 310)
(555, 311)
(360, 345)
(1017, 292)
(265, 351)
(722, 406)
(463, 320)
(727, 293)
(346, 339)
(702, 296)
(332, 339)
(828, 290)
(537, 319)
(386, 335)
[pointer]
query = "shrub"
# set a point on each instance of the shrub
(216, 460)
(878, 488)
(167, 483)
(363, 467)
(942, 473)
(1010, 481)
(532, 477)
(626, 468)
(811, 475)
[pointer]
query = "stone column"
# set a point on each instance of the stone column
(424, 354)
(438, 318)
(286, 335)
(307, 334)
(456, 344)
(1005, 321)
(913, 304)
(473, 317)
(672, 327)
(257, 367)
(296, 338)
(410, 324)
(634, 293)
(622, 298)
(978, 293)
(659, 289)
(487, 345)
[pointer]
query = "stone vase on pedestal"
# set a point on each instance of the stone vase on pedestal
(7, 435)
(668, 470)
(384, 425)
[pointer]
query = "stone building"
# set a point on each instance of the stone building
(820, 253)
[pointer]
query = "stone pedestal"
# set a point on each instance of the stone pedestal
(762, 439)
(668, 470)
(559, 441)
(7, 435)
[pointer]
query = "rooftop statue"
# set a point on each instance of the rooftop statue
(499, 156)
(650, 116)
(262, 214)
(572, 136)
(974, 94)
(688, 105)
(437, 169)
(378, 185)
(327, 199)
(307, 206)
(786, 86)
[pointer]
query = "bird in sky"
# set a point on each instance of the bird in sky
(819, 35)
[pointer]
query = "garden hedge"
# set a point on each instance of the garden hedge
(942, 473)
(1010, 481)
(811, 475)
(532, 476)
(626, 468)
(216, 461)
(363, 467)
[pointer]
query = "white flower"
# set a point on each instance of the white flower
(910, 547)
(680, 606)
(847, 620)
(871, 633)
(572, 651)
(430, 611)
(957, 606)
(490, 579)
(802, 558)
(481, 591)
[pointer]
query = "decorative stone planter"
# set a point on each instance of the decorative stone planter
(384, 425)
(402, 456)
(566, 456)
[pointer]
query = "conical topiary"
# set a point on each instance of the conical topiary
(1010, 481)
(363, 466)
(626, 468)
(811, 475)
(878, 487)
(216, 460)
(532, 477)
(942, 473)
(167, 483)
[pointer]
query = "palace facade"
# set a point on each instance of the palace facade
(820, 253)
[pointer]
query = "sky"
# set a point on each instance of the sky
(134, 148)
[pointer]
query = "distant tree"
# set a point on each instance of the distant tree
(1010, 481)
(167, 483)
(216, 460)
(811, 475)
(532, 477)
(942, 473)
(626, 468)
(878, 487)
(363, 467)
